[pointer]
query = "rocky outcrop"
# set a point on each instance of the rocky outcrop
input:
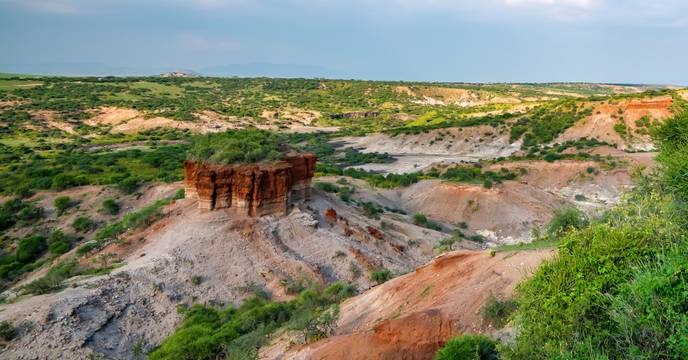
(251, 189)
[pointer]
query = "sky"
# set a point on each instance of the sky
(618, 41)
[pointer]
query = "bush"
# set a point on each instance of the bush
(422, 220)
(326, 187)
(236, 146)
(7, 331)
(62, 203)
(566, 219)
(497, 311)
(110, 206)
(468, 347)
(84, 224)
(31, 248)
(581, 303)
(381, 276)
(673, 158)
(237, 333)
(129, 184)
(88, 247)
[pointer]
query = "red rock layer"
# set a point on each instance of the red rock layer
(254, 189)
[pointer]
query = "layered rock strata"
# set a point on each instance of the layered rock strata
(251, 189)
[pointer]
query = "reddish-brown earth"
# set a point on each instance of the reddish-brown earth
(412, 316)
(253, 189)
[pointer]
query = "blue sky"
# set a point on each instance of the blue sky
(629, 41)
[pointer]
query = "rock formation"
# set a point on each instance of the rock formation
(251, 189)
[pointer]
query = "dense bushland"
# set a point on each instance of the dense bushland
(617, 288)
(238, 332)
(237, 146)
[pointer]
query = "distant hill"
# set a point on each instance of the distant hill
(181, 74)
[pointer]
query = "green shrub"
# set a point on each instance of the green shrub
(370, 209)
(380, 276)
(566, 219)
(236, 146)
(326, 187)
(573, 303)
(110, 206)
(468, 347)
(44, 285)
(31, 248)
(7, 331)
(62, 203)
(496, 311)
(237, 333)
(88, 247)
(422, 220)
(673, 158)
(132, 220)
(84, 224)
(129, 184)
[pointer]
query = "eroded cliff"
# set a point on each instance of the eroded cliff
(251, 189)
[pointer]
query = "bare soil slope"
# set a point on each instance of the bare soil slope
(410, 317)
(624, 114)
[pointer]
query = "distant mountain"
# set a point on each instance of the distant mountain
(180, 73)
(239, 70)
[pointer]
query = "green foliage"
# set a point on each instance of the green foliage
(132, 220)
(84, 224)
(497, 311)
(62, 203)
(568, 302)
(621, 129)
(326, 187)
(59, 243)
(354, 157)
(7, 331)
(236, 146)
(110, 206)
(380, 276)
(20, 212)
(544, 123)
(129, 184)
(69, 166)
(565, 220)
(422, 220)
(371, 209)
(468, 347)
(31, 248)
(673, 158)
(474, 174)
(209, 333)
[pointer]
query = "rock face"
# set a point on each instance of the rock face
(251, 189)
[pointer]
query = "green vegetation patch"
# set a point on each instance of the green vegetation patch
(236, 146)
(238, 332)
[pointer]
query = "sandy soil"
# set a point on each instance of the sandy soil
(48, 119)
(417, 152)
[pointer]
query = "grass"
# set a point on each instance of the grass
(6, 84)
